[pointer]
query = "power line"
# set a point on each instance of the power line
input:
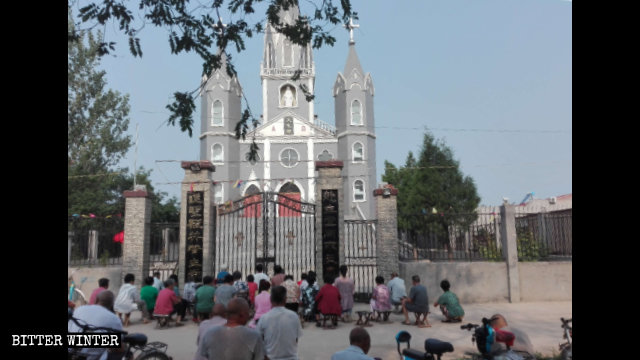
(525, 131)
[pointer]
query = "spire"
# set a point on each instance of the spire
(352, 61)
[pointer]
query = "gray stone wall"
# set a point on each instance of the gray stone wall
(481, 282)
(473, 282)
(201, 181)
(329, 178)
(137, 232)
(386, 231)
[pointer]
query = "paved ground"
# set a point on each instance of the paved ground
(540, 320)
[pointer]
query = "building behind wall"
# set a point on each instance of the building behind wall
(290, 135)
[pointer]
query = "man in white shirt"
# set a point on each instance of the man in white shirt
(157, 283)
(260, 275)
(397, 289)
(129, 300)
(280, 328)
(99, 315)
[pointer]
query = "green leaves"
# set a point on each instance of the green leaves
(182, 110)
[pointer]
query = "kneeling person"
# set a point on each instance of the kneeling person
(168, 303)
(449, 304)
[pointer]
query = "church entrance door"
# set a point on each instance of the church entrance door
(266, 228)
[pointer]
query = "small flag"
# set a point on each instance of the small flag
(108, 216)
(91, 216)
(191, 187)
(76, 215)
(434, 211)
(237, 184)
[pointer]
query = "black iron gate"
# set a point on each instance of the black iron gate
(361, 256)
(266, 228)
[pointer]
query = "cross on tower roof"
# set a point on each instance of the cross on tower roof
(350, 26)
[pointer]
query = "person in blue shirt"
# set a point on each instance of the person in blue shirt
(223, 272)
(360, 344)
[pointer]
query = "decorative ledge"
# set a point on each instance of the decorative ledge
(200, 165)
(329, 164)
(386, 191)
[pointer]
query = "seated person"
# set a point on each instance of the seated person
(380, 299)
(128, 300)
(204, 298)
(263, 302)
(397, 289)
(293, 294)
(242, 288)
(308, 296)
(100, 315)
(521, 342)
(149, 294)
(328, 300)
(253, 289)
(449, 304)
(417, 302)
(225, 292)
(218, 318)
(221, 275)
(190, 295)
(168, 303)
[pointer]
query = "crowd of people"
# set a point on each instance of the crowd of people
(262, 315)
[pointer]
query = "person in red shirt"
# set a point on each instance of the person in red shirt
(328, 300)
(103, 284)
(168, 303)
(253, 287)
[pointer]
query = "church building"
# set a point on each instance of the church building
(290, 136)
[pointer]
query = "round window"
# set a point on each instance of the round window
(289, 157)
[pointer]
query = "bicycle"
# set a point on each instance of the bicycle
(434, 348)
(484, 336)
(565, 348)
(135, 344)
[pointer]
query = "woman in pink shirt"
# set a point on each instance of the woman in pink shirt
(263, 302)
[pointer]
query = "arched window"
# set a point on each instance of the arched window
(290, 205)
(358, 152)
(218, 194)
(356, 113)
(252, 202)
(358, 190)
(288, 97)
(217, 154)
(216, 113)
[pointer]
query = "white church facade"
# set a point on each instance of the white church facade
(290, 136)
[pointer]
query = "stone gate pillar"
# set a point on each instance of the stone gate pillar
(137, 234)
(387, 231)
(197, 222)
(330, 229)
(510, 250)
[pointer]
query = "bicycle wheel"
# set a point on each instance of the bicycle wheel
(153, 355)
(78, 297)
(566, 353)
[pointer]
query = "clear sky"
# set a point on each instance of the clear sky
(492, 78)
